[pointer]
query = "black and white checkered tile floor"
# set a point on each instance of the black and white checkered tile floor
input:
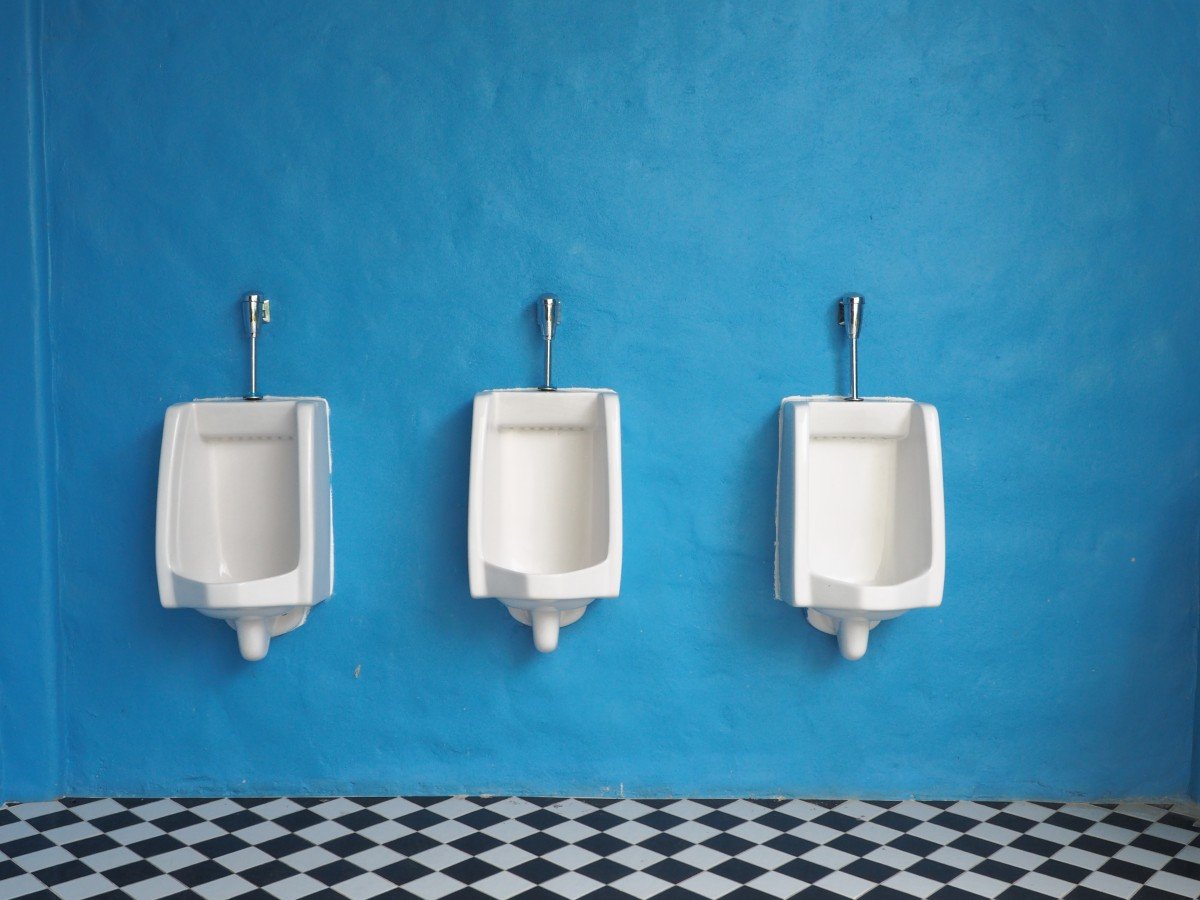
(502, 847)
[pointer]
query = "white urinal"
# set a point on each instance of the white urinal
(861, 532)
(860, 516)
(544, 522)
(245, 522)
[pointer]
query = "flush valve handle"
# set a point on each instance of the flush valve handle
(850, 314)
(256, 311)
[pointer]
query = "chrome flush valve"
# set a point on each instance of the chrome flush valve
(850, 316)
(256, 311)
(548, 311)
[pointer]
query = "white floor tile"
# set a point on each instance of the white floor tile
(366, 885)
(914, 885)
(708, 884)
(845, 884)
(1176, 884)
(1110, 884)
(1044, 884)
(571, 885)
(295, 887)
(979, 885)
(433, 886)
(641, 885)
(503, 885)
(778, 885)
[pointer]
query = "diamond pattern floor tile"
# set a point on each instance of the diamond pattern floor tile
(512, 847)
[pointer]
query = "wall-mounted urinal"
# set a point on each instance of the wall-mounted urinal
(244, 529)
(544, 519)
(860, 519)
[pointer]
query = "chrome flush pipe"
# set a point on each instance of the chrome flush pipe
(850, 316)
(256, 313)
(548, 311)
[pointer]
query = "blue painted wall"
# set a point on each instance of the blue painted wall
(1014, 188)
(29, 716)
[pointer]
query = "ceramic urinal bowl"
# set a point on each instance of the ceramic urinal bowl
(861, 528)
(245, 520)
(544, 529)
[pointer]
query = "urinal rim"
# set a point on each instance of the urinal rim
(922, 575)
(541, 392)
(855, 404)
(260, 582)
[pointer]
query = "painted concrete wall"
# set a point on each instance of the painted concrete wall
(1014, 188)
(29, 744)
